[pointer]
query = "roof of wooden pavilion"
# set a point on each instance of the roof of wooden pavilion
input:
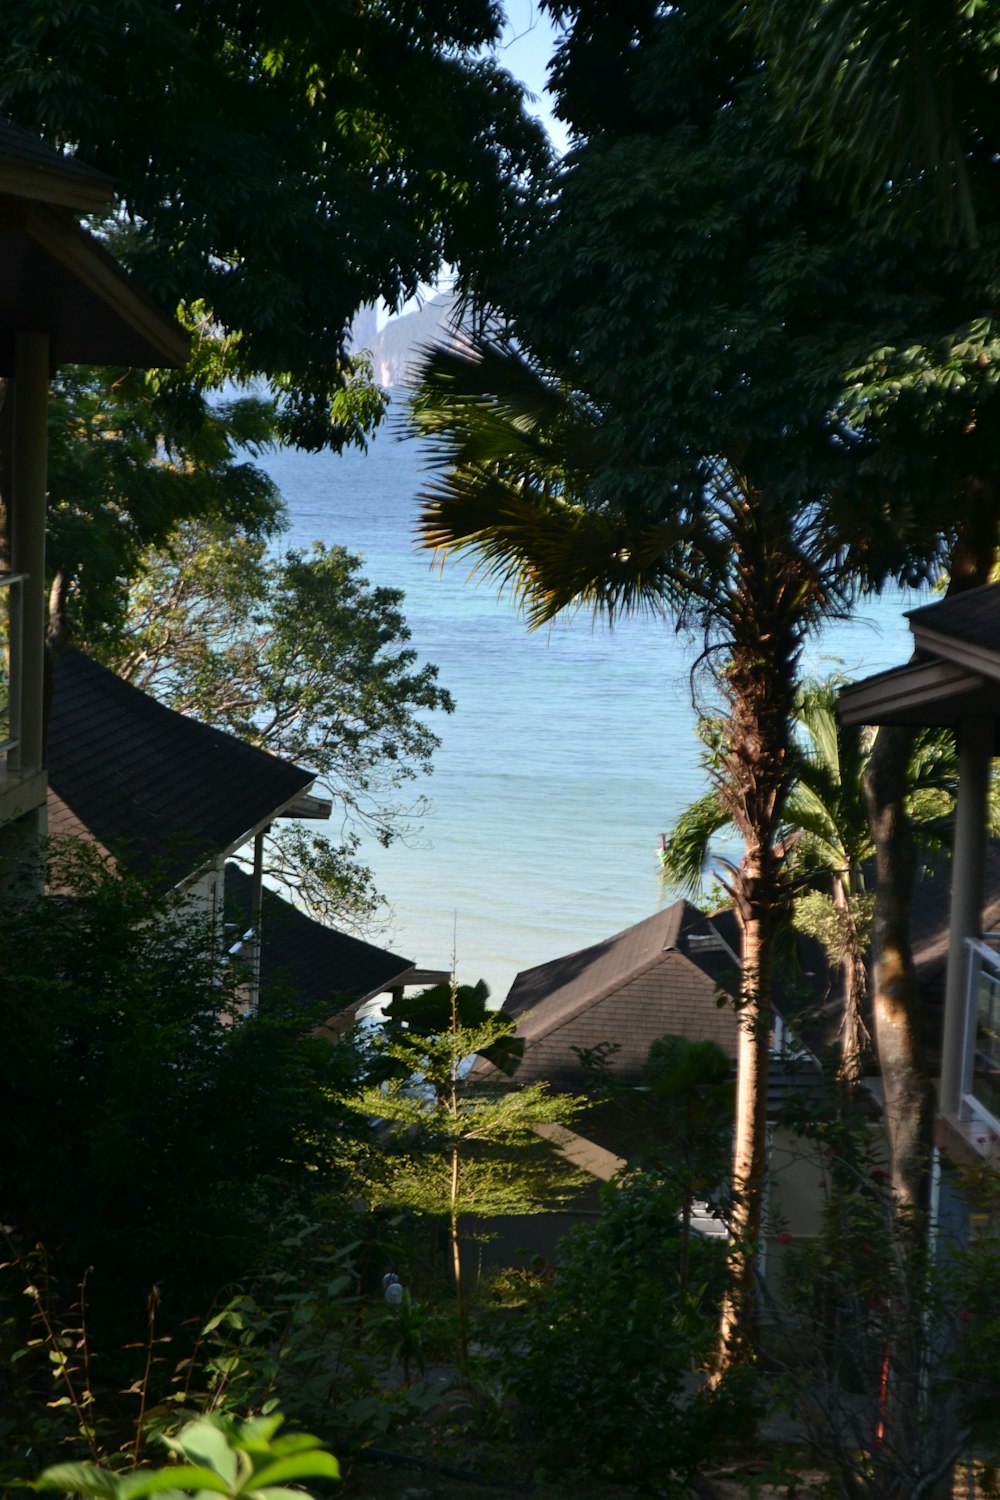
(955, 671)
(58, 279)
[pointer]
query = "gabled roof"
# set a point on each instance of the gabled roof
(29, 168)
(316, 964)
(551, 993)
(967, 619)
(663, 975)
(957, 672)
(162, 793)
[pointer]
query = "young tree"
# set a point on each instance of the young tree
(826, 838)
(303, 657)
(460, 1145)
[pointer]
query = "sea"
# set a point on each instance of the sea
(571, 749)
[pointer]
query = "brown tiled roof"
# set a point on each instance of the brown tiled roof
(164, 794)
(663, 975)
(320, 966)
(586, 976)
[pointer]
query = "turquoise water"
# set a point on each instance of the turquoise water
(568, 752)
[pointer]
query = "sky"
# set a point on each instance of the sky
(528, 43)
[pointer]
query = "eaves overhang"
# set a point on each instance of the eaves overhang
(971, 655)
(58, 280)
(920, 694)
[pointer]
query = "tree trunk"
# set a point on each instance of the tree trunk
(456, 1257)
(855, 1039)
(907, 1094)
(750, 1140)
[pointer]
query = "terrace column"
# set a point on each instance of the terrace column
(975, 751)
(28, 485)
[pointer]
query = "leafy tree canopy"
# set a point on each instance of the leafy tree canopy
(282, 165)
(896, 98)
(133, 455)
(302, 656)
(689, 239)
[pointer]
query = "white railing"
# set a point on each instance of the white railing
(981, 1075)
(11, 611)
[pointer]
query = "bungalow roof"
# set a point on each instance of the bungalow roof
(313, 962)
(968, 619)
(957, 673)
(566, 986)
(30, 168)
(160, 792)
(661, 975)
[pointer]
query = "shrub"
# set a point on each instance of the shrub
(607, 1358)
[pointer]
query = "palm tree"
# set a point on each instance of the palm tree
(827, 839)
(518, 487)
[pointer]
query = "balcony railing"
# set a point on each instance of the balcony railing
(981, 1094)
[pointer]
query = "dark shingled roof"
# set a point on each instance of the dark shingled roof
(316, 964)
(663, 975)
(32, 169)
(972, 617)
(162, 793)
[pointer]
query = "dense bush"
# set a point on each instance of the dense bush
(151, 1131)
(607, 1358)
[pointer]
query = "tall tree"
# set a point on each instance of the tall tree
(521, 490)
(897, 105)
(282, 165)
(685, 241)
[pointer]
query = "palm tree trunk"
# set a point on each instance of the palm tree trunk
(750, 1140)
(855, 1038)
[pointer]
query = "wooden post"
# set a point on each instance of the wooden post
(975, 751)
(29, 483)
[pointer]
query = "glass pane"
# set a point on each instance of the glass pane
(986, 1058)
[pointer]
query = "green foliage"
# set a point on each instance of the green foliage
(605, 1360)
(154, 1132)
(302, 656)
(212, 1456)
(134, 454)
(458, 1143)
(873, 1284)
(283, 167)
(892, 98)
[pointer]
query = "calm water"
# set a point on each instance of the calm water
(568, 752)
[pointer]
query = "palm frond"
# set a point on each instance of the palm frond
(514, 455)
(685, 849)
